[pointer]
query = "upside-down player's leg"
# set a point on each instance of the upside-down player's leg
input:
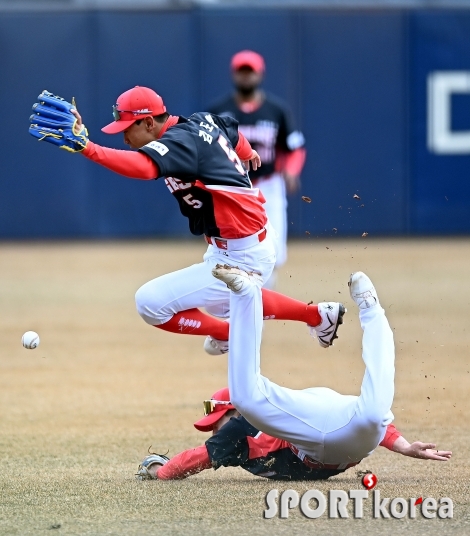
(289, 414)
(330, 427)
(372, 411)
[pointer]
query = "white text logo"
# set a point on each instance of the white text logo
(159, 147)
(314, 504)
(441, 138)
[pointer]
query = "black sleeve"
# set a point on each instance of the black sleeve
(229, 446)
(289, 138)
(175, 153)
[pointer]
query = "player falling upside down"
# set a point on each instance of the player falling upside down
(205, 162)
(326, 430)
(236, 443)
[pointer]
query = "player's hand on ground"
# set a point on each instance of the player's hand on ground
(427, 451)
(255, 161)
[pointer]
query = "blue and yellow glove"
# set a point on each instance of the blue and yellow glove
(52, 121)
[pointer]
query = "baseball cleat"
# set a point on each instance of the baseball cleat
(215, 346)
(234, 277)
(332, 317)
(362, 290)
(146, 463)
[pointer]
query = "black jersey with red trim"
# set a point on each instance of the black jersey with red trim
(269, 129)
(206, 176)
(239, 444)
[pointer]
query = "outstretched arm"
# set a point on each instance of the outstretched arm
(425, 451)
(393, 440)
(184, 464)
(131, 164)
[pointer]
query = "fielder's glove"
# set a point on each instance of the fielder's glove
(52, 121)
(153, 458)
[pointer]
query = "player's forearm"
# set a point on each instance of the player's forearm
(184, 464)
(131, 164)
(243, 148)
(294, 162)
(424, 451)
(400, 445)
(390, 438)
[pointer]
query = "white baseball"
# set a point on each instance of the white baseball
(30, 340)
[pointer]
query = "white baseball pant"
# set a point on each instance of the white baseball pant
(193, 287)
(329, 427)
(274, 191)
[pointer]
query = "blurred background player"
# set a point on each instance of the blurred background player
(266, 122)
(236, 443)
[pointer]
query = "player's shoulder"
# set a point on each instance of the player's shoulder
(184, 130)
(204, 117)
(174, 141)
(213, 119)
(180, 129)
(241, 424)
(209, 122)
(235, 429)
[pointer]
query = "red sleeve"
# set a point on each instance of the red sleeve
(186, 463)
(295, 161)
(391, 435)
(243, 148)
(131, 164)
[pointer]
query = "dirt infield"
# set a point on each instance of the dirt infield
(78, 413)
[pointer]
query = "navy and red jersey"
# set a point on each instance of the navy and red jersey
(204, 173)
(269, 129)
(239, 444)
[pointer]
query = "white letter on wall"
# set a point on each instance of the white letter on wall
(441, 138)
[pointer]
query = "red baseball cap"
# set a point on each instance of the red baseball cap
(132, 105)
(248, 58)
(214, 410)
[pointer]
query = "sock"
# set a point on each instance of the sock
(195, 322)
(275, 306)
(280, 307)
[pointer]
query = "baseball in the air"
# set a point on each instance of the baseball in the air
(30, 340)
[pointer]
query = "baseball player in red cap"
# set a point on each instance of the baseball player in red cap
(236, 443)
(204, 160)
(267, 124)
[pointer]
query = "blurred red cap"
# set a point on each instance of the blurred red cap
(248, 58)
(132, 105)
(206, 424)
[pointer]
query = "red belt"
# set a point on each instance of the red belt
(221, 243)
(313, 464)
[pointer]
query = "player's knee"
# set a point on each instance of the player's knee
(148, 307)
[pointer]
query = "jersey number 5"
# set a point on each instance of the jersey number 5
(191, 201)
(232, 155)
